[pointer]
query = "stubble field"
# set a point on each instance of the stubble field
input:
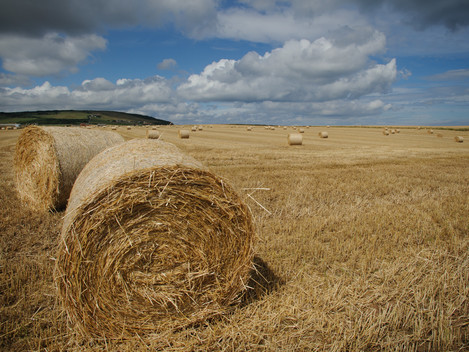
(363, 245)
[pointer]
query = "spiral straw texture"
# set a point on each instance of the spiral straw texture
(151, 241)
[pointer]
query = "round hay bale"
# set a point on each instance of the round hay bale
(301, 130)
(295, 139)
(129, 128)
(430, 131)
(183, 134)
(386, 132)
(194, 129)
(323, 134)
(153, 134)
(439, 135)
(201, 128)
(459, 139)
(249, 128)
(151, 241)
(49, 159)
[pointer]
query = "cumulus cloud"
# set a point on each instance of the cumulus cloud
(326, 69)
(98, 93)
(167, 64)
(281, 25)
(47, 55)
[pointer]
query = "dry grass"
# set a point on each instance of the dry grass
(363, 247)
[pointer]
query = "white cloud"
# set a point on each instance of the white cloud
(322, 70)
(97, 93)
(280, 26)
(167, 64)
(451, 75)
(47, 55)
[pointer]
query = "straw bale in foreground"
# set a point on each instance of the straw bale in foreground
(151, 242)
(295, 139)
(49, 159)
(459, 139)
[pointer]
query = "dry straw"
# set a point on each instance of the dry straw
(386, 132)
(49, 159)
(183, 134)
(295, 139)
(323, 134)
(153, 134)
(151, 242)
(459, 139)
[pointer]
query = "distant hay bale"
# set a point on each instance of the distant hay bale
(114, 128)
(194, 129)
(301, 130)
(183, 134)
(153, 128)
(323, 134)
(249, 128)
(430, 131)
(284, 127)
(295, 139)
(393, 131)
(386, 132)
(151, 241)
(153, 134)
(200, 128)
(439, 135)
(49, 159)
(459, 139)
(398, 131)
(129, 128)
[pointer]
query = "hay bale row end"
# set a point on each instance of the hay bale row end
(49, 159)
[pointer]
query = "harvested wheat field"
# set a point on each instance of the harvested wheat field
(362, 245)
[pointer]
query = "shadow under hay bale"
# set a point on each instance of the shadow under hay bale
(151, 241)
(49, 159)
(262, 282)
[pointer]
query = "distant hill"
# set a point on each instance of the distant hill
(76, 117)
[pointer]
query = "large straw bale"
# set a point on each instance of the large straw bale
(295, 139)
(459, 139)
(151, 242)
(49, 159)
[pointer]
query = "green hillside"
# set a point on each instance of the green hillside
(75, 117)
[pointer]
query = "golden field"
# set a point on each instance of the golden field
(363, 245)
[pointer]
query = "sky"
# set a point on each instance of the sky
(299, 62)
